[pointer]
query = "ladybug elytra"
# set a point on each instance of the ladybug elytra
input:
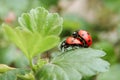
(84, 36)
(71, 42)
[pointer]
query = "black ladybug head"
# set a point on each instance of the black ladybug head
(62, 45)
(75, 34)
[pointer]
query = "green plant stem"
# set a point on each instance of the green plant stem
(31, 64)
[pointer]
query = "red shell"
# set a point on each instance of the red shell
(72, 40)
(86, 36)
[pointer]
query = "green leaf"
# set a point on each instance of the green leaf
(15, 37)
(28, 76)
(4, 68)
(38, 32)
(72, 65)
(40, 20)
(108, 48)
(46, 44)
(30, 43)
(12, 74)
(112, 74)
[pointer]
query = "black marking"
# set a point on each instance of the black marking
(82, 34)
(89, 40)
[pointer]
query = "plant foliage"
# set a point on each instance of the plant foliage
(72, 65)
(38, 29)
(38, 32)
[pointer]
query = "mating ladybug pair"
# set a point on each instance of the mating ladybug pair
(79, 38)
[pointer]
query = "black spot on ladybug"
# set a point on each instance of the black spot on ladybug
(82, 34)
(89, 40)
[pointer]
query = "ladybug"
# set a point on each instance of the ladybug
(84, 36)
(71, 42)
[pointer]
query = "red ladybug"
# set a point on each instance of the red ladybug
(71, 42)
(84, 36)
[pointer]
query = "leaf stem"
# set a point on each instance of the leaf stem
(31, 64)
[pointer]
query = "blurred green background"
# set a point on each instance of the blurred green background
(101, 18)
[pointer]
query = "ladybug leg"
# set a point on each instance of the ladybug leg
(66, 47)
(75, 46)
(85, 46)
(80, 46)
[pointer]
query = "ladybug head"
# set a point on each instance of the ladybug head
(62, 45)
(75, 34)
